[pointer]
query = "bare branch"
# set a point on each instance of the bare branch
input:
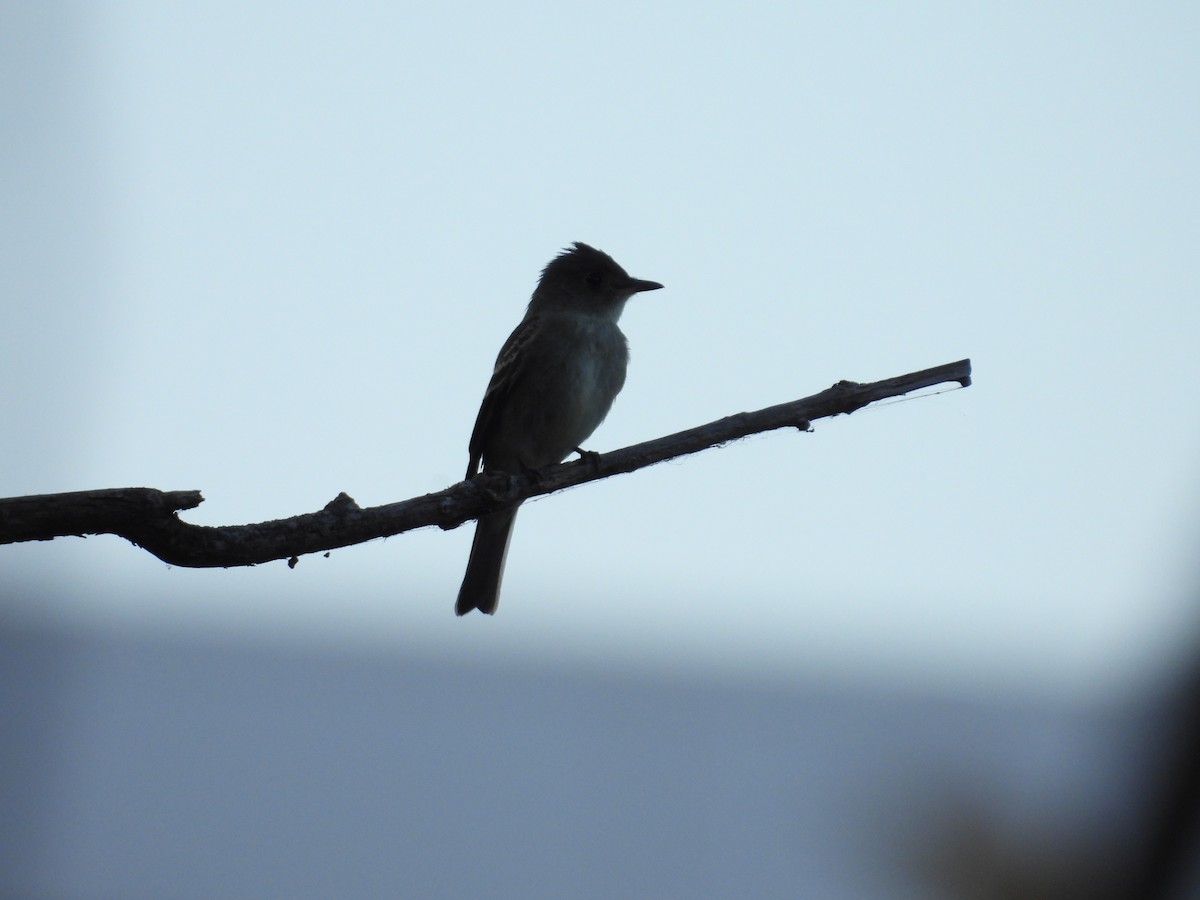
(149, 518)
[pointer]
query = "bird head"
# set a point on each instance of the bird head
(585, 279)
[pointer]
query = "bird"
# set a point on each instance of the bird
(554, 382)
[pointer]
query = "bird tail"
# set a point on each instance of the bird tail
(481, 584)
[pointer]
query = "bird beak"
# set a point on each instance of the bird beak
(637, 285)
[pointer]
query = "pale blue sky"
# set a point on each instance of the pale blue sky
(271, 252)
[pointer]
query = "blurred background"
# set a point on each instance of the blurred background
(941, 648)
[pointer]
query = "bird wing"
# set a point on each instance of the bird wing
(510, 365)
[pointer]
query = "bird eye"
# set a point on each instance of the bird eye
(593, 279)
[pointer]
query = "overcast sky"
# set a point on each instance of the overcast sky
(271, 252)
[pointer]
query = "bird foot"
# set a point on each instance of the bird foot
(589, 456)
(535, 476)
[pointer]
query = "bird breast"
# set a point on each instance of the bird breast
(593, 375)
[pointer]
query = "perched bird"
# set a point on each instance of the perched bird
(554, 382)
